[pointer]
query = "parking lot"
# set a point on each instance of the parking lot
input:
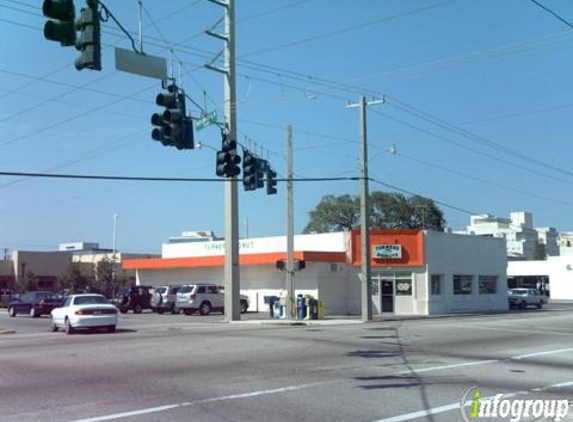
(176, 367)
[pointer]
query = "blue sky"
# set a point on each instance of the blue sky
(478, 108)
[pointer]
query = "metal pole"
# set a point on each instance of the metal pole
(232, 275)
(365, 217)
(140, 15)
(290, 291)
(114, 232)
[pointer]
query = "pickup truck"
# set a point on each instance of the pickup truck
(522, 298)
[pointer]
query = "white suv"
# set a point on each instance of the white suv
(204, 297)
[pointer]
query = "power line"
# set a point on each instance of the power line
(160, 179)
(445, 204)
(548, 10)
(350, 28)
(475, 151)
(469, 135)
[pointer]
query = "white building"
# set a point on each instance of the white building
(557, 271)
(520, 236)
(548, 237)
(413, 272)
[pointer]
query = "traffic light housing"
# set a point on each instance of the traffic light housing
(173, 126)
(89, 40)
(249, 170)
(227, 158)
(260, 169)
(62, 27)
(271, 181)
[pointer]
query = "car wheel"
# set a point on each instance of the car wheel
(123, 310)
(244, 306)
(187, 311)
(522, 305)
(205, 308)
(175, 310)
(12, 312)
(53, 326)
(69, 328)
(540, 305)
(160, 311)
(137, 308)
(34, 312)
(111, 329)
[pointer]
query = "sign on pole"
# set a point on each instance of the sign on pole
(206, 120)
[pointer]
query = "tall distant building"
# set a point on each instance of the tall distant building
(524, 242)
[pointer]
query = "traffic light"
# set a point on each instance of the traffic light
(174, 127)
(61, 28)
(89, 41)
(271, 181)
(227, 158)
(281, 264)
(299, 265)
(249, 164)
(260, 169)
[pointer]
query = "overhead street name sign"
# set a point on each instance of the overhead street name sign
(206, 120)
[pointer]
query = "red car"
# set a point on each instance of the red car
(34, 304)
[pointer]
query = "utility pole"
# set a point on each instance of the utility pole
(290, 232)
(232, 274)
(366, 272)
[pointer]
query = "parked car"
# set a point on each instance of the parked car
(522, 297)
(35, 304)
(164, 299)
(204, 298)
(134, 298)
(84, 311)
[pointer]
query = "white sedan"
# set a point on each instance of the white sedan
(84, 311)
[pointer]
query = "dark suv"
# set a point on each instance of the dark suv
(135, 298)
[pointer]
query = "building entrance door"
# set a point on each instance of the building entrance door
(382, 294)
(387, 296)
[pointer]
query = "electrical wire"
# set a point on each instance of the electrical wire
(350, 28)
(548, 10)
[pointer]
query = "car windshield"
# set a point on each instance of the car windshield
(45, 296)
(186, 289)
(90, 300)
(518, 292)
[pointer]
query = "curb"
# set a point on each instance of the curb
(7, 331)
(299, 323)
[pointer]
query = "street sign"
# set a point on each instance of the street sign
(140, 64)
(206, 120)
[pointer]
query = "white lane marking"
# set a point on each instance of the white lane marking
(191, 403)
(456, 406)
(457, 365)
(550, 352)
(485, 362)
(478, 327)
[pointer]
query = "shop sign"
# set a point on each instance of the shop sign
(387, 251)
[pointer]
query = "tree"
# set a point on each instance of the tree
(74, 279)
(107, 276)
(30, 283)
(387, 211)
(334, 214)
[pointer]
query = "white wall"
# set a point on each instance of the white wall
(327, 242)
(449, 254)
(558, 268)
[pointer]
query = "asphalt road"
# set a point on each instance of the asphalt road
(177, 368)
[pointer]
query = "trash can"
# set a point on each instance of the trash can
(271, 300)
(279, 308)
(312, 308)
(301, 307)
(320, 309)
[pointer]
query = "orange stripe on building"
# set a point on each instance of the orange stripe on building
(219, 260)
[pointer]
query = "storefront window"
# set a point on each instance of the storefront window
(463, 284)
(487, 284)
(374, 286)
(436, 284)
(403, 287)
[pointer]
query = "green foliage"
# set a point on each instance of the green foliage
(387, 211)
(74, 279)
(30, 283)
(109, 276)
(334, 214)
